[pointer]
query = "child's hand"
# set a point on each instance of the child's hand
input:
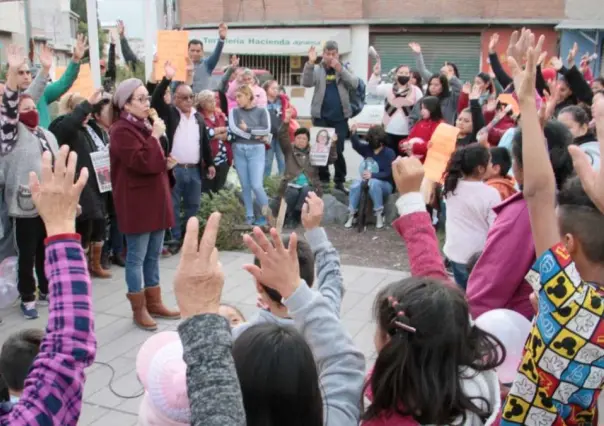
(312, 212)
(408, 174)
(279, 268)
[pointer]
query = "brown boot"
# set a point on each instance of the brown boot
(156, 307)
(140, 315)
(96, 268)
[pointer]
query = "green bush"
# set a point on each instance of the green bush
(271, 185)
(233, 214)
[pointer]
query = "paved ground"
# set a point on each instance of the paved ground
(119, 340)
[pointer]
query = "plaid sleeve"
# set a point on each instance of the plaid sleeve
(55, 384)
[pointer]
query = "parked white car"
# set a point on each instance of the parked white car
(371, 115)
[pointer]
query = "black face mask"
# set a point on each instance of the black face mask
(403, 79)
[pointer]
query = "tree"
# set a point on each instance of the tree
(79, 7)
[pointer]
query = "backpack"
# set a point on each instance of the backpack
(357, 98)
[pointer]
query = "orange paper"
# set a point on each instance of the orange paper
(84, 84)
(508, 99)
(442, 145)
(172, 46)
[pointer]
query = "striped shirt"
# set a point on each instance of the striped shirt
(54, 386)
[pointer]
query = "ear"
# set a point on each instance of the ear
(497, 169)
(571, 244)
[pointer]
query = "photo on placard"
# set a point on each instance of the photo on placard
(321, 139)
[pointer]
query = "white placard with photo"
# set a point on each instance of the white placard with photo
(100, 162)
(320, 145)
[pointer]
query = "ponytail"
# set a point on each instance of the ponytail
(464, 162)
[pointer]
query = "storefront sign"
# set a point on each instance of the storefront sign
(277, 41)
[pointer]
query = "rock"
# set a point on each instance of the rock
(341, 196)
(334, 212)
(390, 211)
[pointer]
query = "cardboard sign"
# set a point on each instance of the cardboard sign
(84, 84)
(172, 47)
(442, 145)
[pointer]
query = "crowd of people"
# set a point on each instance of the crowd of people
(522, 199)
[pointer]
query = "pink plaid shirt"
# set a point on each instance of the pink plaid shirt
(55, 384)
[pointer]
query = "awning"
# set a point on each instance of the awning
(576, 24)
(274, 41)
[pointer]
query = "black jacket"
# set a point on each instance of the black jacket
(171, 116)
(68, 130)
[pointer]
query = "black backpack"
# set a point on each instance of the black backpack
(357, 98)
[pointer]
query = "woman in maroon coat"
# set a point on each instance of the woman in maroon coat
(141, 194)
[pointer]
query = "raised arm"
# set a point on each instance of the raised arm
(500, 74)
(111, 73)
(54, 387)
(308, 73)
(37, 87)
(226, 78)
(539, 187)
(414, 224)
(157, 98)
(66, 127)
(419, 61)
(284, 139)
(57, 89)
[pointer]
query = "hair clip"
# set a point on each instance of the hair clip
(404, 326)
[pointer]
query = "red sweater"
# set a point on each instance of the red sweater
(423, 130)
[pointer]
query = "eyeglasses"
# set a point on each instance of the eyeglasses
(143, 99)
(28, 72)
(186, 97)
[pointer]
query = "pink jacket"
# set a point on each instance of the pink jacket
(497, 281)
(259, 95)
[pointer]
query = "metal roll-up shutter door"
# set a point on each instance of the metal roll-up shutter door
(461, 49)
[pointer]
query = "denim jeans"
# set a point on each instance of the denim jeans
(142, 260)
(187, 189)
(274, 152)
(378, 190)
(460, 274)
(249, 162)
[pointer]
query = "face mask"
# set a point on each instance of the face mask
(403, 79)
(30, 118)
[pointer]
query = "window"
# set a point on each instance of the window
(278, 66)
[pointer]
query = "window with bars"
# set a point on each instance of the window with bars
(286, 69)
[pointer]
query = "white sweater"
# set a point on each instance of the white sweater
(469, 216)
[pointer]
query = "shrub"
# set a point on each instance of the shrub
(233, 214)
(271, 185)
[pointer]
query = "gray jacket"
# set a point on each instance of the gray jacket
(315, 75)
(22, 154)
(448, 105)
(315, 314)
(204, 68)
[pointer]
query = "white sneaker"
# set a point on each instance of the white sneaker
(379, 220)
(350, 221)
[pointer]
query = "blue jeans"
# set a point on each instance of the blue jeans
(142, 260)
(187, 189)
(460, 274)
(249, 163)
(378, 190)
(274, 152)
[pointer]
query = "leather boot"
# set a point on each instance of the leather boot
(140, 315)
(156, 307)
(96, 268)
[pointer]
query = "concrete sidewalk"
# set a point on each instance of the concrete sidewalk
(119, 340)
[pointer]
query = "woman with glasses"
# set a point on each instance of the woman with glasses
(141, 194)
(22, 144)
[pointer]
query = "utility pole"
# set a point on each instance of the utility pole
(28, 36)
(150, 14)
(93, 42)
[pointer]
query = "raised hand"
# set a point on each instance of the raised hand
(169, 70)
(556, 63)
(377, 69)
(312, 211)
(199, 278)
(15, 57)
(46, 57)
(312, 54)
(415, 47)
(408, 174)
(80, 48)
(524, 79)
(475, 93)
(572, 54)
(493, 42)
(222, 30)
(114, 36)
(467, 88)
(96, 97)
(491, 104)
(121, 28)
(55, 194)
(279, 268)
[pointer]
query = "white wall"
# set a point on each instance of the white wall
(358, 57)
(12, 18)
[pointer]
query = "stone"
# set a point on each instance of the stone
(390, 211)
(341, 196)
(334, 212)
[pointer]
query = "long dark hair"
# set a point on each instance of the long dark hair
(443, 82)
(432, 104)
(278, 377)
(464, 162)
(418, 78)
(418, 374)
